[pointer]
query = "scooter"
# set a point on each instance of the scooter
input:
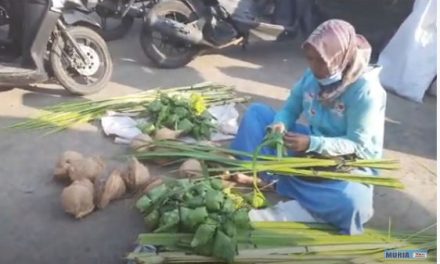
(66, 47)
(175, 31)
(117, 16)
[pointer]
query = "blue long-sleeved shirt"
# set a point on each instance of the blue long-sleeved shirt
(354, 125)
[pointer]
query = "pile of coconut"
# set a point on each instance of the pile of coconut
(88, 187)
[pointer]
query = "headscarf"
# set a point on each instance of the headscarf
(342, 50)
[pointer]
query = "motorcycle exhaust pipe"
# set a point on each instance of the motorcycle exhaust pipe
(188, 33)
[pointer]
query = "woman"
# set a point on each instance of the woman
(344, 105)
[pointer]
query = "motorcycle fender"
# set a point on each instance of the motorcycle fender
(196, 5)
(75, 17)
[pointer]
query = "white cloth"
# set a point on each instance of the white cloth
(410, 59)
(125, 128)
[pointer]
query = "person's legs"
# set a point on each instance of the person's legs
(34, 13)
(16, 26)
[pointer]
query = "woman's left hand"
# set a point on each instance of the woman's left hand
(296, 142)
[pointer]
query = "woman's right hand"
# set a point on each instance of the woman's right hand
(278, 127)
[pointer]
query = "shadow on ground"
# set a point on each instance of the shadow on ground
(34, 227)
(412, 127)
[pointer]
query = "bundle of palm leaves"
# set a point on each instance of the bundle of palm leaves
(293, 242)
(64, 115)
(219, 160)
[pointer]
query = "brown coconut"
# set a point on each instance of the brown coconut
(137, 176)
(191, 168)
(156, 182)
(86, 168)
(167, 134)
(77, 198)
(62, 166)
(113, 188)
(141, 142)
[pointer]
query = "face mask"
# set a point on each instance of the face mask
(331, 79)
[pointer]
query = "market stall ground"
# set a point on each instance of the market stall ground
(34, 228)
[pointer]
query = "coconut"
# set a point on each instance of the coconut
(86, 168)
(136, 176)
(113, 189)
(167, 134)
(191, 168)
(62, 166)
(77, 198)
(156, 182)
(141, 142)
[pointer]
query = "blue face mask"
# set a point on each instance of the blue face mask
(331, 79)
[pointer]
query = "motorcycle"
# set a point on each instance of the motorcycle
(117, 16)
(175, 31)
(68, 48)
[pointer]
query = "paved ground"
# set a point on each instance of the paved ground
(33, 227)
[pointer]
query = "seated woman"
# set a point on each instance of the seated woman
(344, 105)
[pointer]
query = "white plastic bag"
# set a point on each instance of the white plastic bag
(410, 59)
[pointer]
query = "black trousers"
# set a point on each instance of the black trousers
(16, 25)
(34, 12)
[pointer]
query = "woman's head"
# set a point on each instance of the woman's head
(336, 53)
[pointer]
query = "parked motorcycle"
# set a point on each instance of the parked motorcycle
(175, 31)
(68, 48)
(117, 16)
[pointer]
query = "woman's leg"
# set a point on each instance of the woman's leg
(251, 133)
(252, 128)
(346, 205)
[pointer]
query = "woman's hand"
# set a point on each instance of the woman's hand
(278, 127)
(296, 142)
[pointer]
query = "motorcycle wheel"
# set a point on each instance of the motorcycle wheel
(164, 52)
(113, 32)
(75, 76)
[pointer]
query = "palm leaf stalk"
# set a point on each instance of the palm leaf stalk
(288, 166)
(287, 242)
(64, 115)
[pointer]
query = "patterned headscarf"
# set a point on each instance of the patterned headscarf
(342, 50)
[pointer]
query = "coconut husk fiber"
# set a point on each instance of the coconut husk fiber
(191, 168)
(136, 176)
(109, 189)
(77, 198)
(86, 168)
(61, 172)
(141, 142)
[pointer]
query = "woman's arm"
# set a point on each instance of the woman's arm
(365, 119)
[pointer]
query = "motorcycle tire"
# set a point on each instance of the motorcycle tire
(118, 31)
(154, 52)
(63, 72)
